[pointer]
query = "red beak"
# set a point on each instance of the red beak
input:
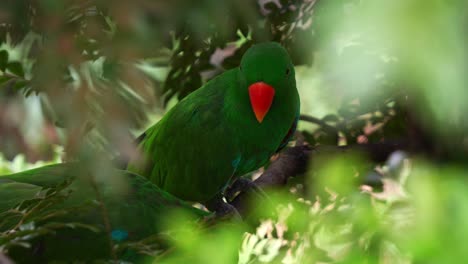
(261, 97)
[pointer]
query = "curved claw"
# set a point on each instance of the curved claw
(221, 209)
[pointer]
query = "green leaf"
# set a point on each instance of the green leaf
(20, 84)
(16, 68)
(3, 59)
(4, 80)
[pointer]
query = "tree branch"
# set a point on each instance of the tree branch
(295, 160)
(326, 127)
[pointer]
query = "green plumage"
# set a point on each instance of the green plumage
(212, 137)
(135, 208)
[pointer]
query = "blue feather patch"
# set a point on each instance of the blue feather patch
(119, 235)
(236, 162)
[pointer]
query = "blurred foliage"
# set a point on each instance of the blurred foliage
(19, 163)
(97, 66)
(389, 63)
(99, 69)
(369, 72)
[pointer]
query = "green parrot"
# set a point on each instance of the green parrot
(230, 126)
(133, 206)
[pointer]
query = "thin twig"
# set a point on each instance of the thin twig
(328, 128)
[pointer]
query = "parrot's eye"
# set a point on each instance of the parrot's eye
(287, 71)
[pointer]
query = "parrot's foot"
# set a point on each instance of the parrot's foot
(244, 185)
(222, 209)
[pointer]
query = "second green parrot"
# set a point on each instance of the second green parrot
(132, 209)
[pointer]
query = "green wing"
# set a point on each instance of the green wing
(191, 143)
(46, 176)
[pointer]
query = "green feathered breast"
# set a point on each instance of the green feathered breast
(212, 136)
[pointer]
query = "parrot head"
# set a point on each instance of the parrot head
(268, 74)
